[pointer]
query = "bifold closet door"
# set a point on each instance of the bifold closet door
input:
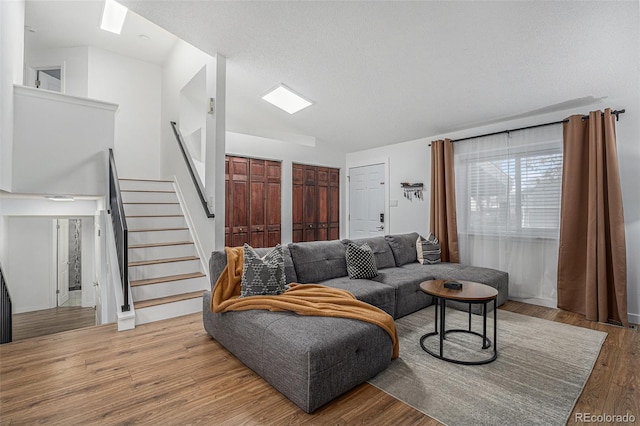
(334, 204)
(253, 200)
(297, 200)
(273, 206)
(315, 203)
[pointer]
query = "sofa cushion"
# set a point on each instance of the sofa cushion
(403, 247)
(311, 360)
(361, 262)
(374, 293)
(406, 282)
(455, 271)
(381, 249)
(428, 250)
(263, 276)
(319, 260)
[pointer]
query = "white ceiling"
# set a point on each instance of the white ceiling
(77, 23)
(387, 72)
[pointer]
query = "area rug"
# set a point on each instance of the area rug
(541, 369)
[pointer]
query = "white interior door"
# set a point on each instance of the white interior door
(63, 261)
(366, 201)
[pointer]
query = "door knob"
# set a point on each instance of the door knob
(380, 228)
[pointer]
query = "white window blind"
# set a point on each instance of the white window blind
(511, 191)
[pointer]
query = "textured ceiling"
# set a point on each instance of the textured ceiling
(77, 23)
(387, 72)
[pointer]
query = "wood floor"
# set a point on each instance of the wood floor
(171, 372)
(49, 321)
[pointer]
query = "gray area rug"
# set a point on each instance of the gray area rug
(540, 372)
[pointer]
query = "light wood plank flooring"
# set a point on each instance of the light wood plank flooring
(171, 372)
(49, 321)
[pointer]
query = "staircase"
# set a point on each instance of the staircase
(165, 272)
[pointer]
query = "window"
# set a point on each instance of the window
(510, 190)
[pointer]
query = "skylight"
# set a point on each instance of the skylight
(113, 16)
(286, 99)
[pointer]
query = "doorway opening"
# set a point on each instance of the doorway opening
(47, 78)
(69, 262)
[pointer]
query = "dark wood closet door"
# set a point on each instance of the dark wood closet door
(253, 202)
(297, 203)
(323, 204)
(228, 204)
(310, 208)
(257, 199)
(315, 203)
(334, 204)
(274, 203)
(240, 194)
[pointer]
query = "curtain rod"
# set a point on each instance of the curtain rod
(584, 117)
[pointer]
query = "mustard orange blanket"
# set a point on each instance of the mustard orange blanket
(303, 299)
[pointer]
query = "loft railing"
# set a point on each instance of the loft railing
(6, 328)
(120, 232)
(192, 170)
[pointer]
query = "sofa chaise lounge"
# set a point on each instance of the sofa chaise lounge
(312, 360)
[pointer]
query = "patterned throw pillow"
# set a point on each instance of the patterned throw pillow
(263, 276)
(428, 250)
(361, 262)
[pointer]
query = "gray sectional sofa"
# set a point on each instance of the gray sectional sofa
(312, 360)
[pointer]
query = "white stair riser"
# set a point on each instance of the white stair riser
(143, 185)
(149, 197)
(168, 310)
(162, 252)
(156, 222)
(151, 209)
(171, 288)
(158, 236)
(163, 269)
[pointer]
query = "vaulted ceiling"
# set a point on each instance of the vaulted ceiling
(387, 72)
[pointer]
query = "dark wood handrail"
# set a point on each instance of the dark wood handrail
(6, 328)
(120, 231)
(194, 176)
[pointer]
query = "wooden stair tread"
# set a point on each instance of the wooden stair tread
(167, 279)
(146, 180)
(163, 244)
(158, 229)
(167, 260)
(169, 299)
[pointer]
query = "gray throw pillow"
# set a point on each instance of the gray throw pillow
(263, 276)
(428, 250)
(361, 262)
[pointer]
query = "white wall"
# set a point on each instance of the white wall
(11, 69)
(408, 162)
(183, 63)
(289, 153)
(60, 143)
(30, 263)
(75, 67)
(136, 87)
(411, 161)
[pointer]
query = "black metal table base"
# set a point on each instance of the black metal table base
(486, 342)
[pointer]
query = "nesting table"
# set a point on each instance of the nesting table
(471, 293)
